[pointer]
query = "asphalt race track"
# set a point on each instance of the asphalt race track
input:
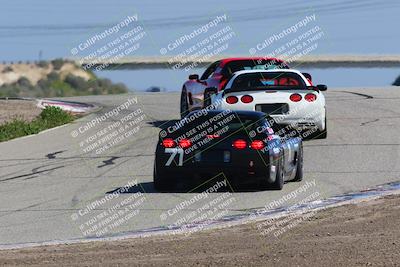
(46, 179)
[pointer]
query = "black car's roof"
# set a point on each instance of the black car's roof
(199, 116)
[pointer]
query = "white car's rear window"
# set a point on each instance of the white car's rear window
(265, 80)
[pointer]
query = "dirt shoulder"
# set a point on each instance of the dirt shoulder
(18, 109)
(364, 234)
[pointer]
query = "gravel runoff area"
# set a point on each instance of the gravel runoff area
(18, 109)
(362, 234)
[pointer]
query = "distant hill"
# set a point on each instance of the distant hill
(54, 78)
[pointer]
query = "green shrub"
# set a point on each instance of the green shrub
(57, 63)
(50, 117)
(55, 116)
(61, 88)
(43, 64)
(76, 82)
(7, 69)
(24, 82)
(53, 76)
(10, 91)
(118, 88)
(18, 128)
(43, 83)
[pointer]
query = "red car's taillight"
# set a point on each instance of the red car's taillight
(310, 97)
(168, 143)
(246, 99)
(295, 97)
(257, 144)
(185, 143)
(231, 100)
(239, 144)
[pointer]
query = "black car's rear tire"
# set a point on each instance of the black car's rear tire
(160, 181)
(184, 107)
(299, 167)
(279, 181)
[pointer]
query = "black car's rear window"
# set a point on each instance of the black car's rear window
(265, 80)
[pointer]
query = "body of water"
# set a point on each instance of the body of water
(172, 80)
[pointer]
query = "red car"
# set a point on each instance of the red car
(216, 76)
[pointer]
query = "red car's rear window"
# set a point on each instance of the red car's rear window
(234, 66)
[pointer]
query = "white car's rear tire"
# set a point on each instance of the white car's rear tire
(322, 134)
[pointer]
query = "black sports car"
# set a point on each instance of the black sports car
(240, 145)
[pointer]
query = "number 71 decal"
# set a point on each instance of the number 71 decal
(174, 152)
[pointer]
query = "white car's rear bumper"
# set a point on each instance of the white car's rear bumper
(301, 123)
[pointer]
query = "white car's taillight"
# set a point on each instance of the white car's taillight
(246, 99)
(310, 97)
(295, 97)
(231, 100)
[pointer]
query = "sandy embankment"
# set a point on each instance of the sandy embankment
(12, 109)
(361, 234)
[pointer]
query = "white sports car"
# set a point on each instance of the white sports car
(284, 94)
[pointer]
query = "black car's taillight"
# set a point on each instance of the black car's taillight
(185, 143)
(239, 144)
(257, 144)
(168, 143)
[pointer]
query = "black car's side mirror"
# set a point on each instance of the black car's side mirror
(322, 87)
(193, 77)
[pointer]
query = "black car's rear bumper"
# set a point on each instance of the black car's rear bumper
(243, 167)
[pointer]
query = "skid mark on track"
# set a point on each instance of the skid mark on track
(33, 173)
(108, 162)
(78, 157)
(364, 123)
(359, 94)
(53, 155)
